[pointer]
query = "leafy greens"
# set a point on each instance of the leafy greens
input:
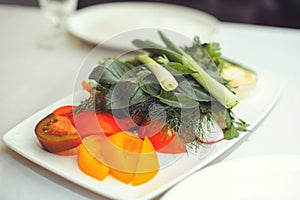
(201, 94)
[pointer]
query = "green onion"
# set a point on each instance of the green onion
(216, 89)
(163, 76)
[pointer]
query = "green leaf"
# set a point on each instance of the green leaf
(203, 59)
(142, 74)
(112, 71)
(193, 90)
(233, 125)
(162, 59)
(213, 49)
(123, 95)
(239, 124)
(231, 133)
(139, 97)
(157, 50)
(178, 69)
(152, 89)
(175, 68)
(150, 85)
(170, 45)
(119, 97)
(177, 100)
(227, 117)
(146, 44)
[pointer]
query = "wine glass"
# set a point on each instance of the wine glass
(57, 11)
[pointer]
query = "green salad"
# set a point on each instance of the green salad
(179, 86)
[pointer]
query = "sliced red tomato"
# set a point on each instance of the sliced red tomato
(108, 123)
(126, 123)
(86, 123)
(65, 111)
(90, 123)
(176, 146)
(57, 134)
(157, 134)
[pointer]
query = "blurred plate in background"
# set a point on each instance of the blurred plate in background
(96, 24)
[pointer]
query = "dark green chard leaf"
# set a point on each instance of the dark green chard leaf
(141, 74)
(139, 97)
(112, 72)
(192, 90)
(119, 96)
(152, 89)
(157, 50)
(123, 95)
(150, 85)
(177, 100)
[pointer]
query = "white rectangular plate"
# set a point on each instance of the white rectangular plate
(253, 109)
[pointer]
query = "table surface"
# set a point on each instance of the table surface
(33, 77)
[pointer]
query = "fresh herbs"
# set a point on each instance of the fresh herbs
(181, 86)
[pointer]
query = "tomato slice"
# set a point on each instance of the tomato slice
(66, 111)
(87, 124)
(108, 123)
(126, 123)
(57, 134)
(63, 110)
(176, 146)
(157, 134)
(90, 123)
(112, 125)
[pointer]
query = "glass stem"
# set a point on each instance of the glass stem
(58, 25)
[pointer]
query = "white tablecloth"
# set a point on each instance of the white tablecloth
(33, 77)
